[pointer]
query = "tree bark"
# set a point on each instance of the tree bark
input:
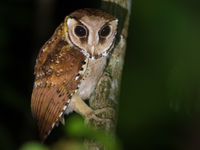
(107, 91)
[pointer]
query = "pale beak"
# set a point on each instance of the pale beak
(92, 50)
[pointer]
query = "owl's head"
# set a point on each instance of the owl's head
(93, 31)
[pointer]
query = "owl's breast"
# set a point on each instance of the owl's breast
(91, 76)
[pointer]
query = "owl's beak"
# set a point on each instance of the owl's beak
(93, 41)
(92, 50)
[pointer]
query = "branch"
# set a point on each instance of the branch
(107, 91)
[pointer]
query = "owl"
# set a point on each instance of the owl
(69, 66)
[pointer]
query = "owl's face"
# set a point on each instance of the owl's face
(93, 33)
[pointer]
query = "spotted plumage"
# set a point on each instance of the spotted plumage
(69, 65)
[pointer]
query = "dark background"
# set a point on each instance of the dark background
(159, 102)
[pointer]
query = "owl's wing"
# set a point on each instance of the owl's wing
(56, 72)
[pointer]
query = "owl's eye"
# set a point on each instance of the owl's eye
(80, 31)
(105, 31)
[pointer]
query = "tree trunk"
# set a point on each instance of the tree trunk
(107, 91)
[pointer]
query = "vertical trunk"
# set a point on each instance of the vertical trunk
(107, 91)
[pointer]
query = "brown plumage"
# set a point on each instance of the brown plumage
(69, 66)
(55, 83)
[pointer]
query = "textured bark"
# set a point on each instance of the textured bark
(107, 91)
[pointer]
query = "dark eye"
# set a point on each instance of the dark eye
(105, 31)
(80, 31)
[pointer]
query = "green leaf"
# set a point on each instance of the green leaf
(77, 128)
(33, 146)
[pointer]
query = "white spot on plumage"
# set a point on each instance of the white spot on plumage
(53, 125)
(49, 132)
(64, 107)
(85, 53)
(35, 84)
(57, 62)
(52, 84)
(60, 114)
(76, 77)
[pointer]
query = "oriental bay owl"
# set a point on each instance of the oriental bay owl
(69, 66)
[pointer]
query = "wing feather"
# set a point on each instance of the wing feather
(56, 69)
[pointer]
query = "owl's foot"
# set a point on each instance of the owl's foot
(101, 118)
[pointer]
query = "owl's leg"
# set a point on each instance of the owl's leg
(79, 106)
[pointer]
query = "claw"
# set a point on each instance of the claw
(62, 120)
(107, 123)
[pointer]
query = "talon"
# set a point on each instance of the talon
(92, 117)
(107, 113)
(62, 120)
